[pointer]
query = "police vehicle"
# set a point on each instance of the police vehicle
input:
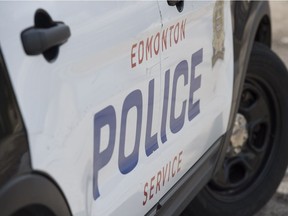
(140, 108)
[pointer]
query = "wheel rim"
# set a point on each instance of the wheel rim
(251, 144)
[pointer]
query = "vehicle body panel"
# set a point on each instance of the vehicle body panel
(59, 114)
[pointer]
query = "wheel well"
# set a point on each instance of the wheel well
(263, 34)
(32, 194)
(34, 210)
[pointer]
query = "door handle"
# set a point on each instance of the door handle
(38, 40)
(178, 3)
(172, 2)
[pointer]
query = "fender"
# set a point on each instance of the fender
(14, 157)
(19, 187)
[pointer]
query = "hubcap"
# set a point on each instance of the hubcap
(239, 135)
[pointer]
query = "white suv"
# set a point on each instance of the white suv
(139, 107)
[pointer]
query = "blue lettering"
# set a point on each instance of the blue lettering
(127, 164)
(176, 124)
(151, 143)
(165, 107)
(195, 84)
(106, 116)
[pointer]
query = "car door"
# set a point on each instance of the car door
(91, 108)
(196, 77)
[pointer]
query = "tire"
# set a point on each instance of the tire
(257, 157)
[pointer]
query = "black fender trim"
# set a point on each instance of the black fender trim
(32, 189)
(246, 18)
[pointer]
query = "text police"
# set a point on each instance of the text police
(107, 117)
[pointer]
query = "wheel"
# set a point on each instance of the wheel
(257, 156)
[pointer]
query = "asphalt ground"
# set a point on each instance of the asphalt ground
(278, 205)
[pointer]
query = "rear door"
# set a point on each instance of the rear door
(196, 79)
(91, 111)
